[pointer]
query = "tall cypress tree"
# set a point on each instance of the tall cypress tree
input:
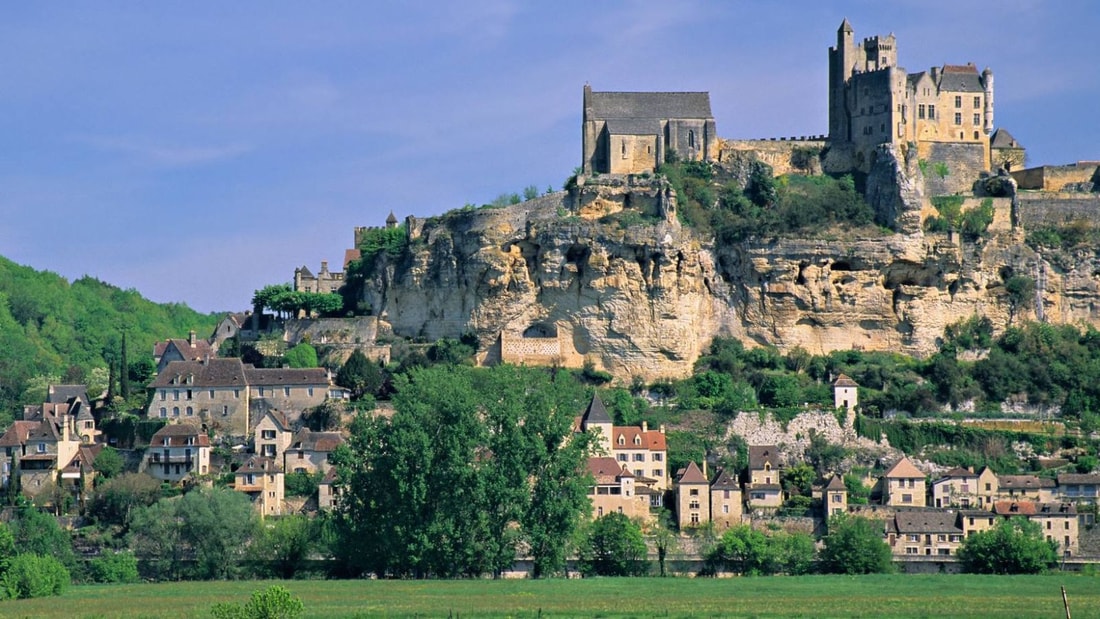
(124, 372)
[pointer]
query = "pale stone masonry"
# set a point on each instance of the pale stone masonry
(178, 451)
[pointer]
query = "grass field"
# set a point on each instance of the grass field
(803, 596)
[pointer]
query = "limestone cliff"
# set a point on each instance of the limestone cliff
(604, 273)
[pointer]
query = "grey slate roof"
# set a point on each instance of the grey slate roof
(960, 78)
(760, 454)
(57, 394)
(926, 522)
(633, 126)
(208, 373)
(836, 483)
(1003, 139)
(725, 481)
(608, 105)
(1079, 478)
(596, 411)
(286, 376)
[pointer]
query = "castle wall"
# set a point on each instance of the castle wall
(1037, 210)
(965, 161)
(1055, 178)
(785, 156)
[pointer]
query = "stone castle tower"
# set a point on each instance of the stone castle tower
(947, 112)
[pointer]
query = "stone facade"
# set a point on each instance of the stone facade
(1083, 174)
(324, 281)
(633, 132)
(263, 481)
(178, 451)
(873, 101)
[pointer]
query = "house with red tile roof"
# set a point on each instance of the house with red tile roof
(642, 451)
(616, 489)
(1058, 521)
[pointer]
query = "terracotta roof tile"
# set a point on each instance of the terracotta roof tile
(904, 469)
(1032, 508)
(692, 475)
(652, 440)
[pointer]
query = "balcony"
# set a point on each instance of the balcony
(172, 459)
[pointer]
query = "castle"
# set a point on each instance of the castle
(946, 112)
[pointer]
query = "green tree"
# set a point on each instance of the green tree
(797, 479)
(31, 576)
(114, 567)
(743, 550)
(213, 526)
(114, 501)
(613, 546)
(108, 463)
(1013, 546)
(286, 543)
(301, 356)
(360, 375)
(39, 533)
(855, 545)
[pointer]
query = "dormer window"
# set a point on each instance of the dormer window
(637, 440)
(767, 466)
(622, 440)
(167, 441)
(41, 448)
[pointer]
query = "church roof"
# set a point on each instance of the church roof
(692, 475)
(651, 105)
(596, 411)
(633, 126)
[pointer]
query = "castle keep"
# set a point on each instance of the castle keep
(947, 112)
(633, 132)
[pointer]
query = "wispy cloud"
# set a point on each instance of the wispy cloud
(159, 154)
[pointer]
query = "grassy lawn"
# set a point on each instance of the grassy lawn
(805, 596)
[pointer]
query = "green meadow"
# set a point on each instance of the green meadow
(802, 596)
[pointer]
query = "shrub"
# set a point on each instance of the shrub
(115, 567)
(33, 576)
(275, 602)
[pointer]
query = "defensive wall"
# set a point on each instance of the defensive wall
(964, 163)
(1056, 178)
(793, 155)
(1056, 209)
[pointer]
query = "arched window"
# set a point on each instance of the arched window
(637, 440)
(175, 411)
(622, 440)
(691, 138)
(190, 411)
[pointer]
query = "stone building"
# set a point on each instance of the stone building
(191, 349)
(947, 112)
(692, 497)
(643, 451)
(963, 488)
(178, 451)
(762, 489)
(262, 480)
(903, 485)
(846, 395)
(324, 281)
(616, 490)
(224, 395)
(310, 452)
(725, 500)
(1058, 521)
(272, 435)
(633, 132)
(835, 497)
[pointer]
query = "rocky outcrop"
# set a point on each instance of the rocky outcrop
(608, 271)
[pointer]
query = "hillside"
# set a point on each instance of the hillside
(50, 327)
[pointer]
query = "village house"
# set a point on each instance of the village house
(761, 485)
(846, 396)
(177, 452)
(1026, 487)
(902, 485)
(643, 451)
(725, 500)
(272, 435)
(835, 497)
(927, 532)
(191, 349)
(1080, 488)
(311, 452)
(977, 520)
(220, 394)
(262, 480)
(1058, 521)
(965, 489)
(327, 492)
(614, 490)
(692, 497)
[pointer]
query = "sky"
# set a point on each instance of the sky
(199, 151)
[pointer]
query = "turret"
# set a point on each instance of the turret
(987, 83)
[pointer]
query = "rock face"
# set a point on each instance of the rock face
(605, 274)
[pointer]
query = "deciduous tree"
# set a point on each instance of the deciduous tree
(613, 546)
(854, 545)
(1013, 546)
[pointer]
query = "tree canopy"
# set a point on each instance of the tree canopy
(854, 545)
(1013, 546)
(484, 458)
(613, 546)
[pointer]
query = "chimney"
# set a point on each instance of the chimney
(662, 428)
(191, 338)
(645, 426)
(324, 266)
(705, 476)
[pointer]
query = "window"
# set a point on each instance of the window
(836, 497)
(725, 509)
(622, 440)
(163, 412)
(176, 394)
(658, 473)
(977, 119)
(910, 550)
(943, 551)
(622, 458)
(286, 391)
(693, 492)
(639, 457)
(658, 456)
(211, 394)
(310, 390)
(725, 494)
(189, 394)
(958, 118)
(691, 139)
(190, 412)
(956, 538)
(268, 434)
(237, 393)
(906, 498)
(163, 394)
(41, 448)
(975, 135)
(694, 504)
(1050, 525)
(987, 487)
(931, 112)
(958, 101)
(639, 472)
(637, 440)
(977, 102)
(225, 411)
(941, 538)
(623, 148)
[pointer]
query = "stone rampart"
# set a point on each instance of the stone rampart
(1056, 178)
(800, 155)
(1040, 209)
(964, 162)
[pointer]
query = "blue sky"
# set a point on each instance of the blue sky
(199, 151)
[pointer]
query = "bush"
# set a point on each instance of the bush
(114, 568)
(275, 602)
(33, 576)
